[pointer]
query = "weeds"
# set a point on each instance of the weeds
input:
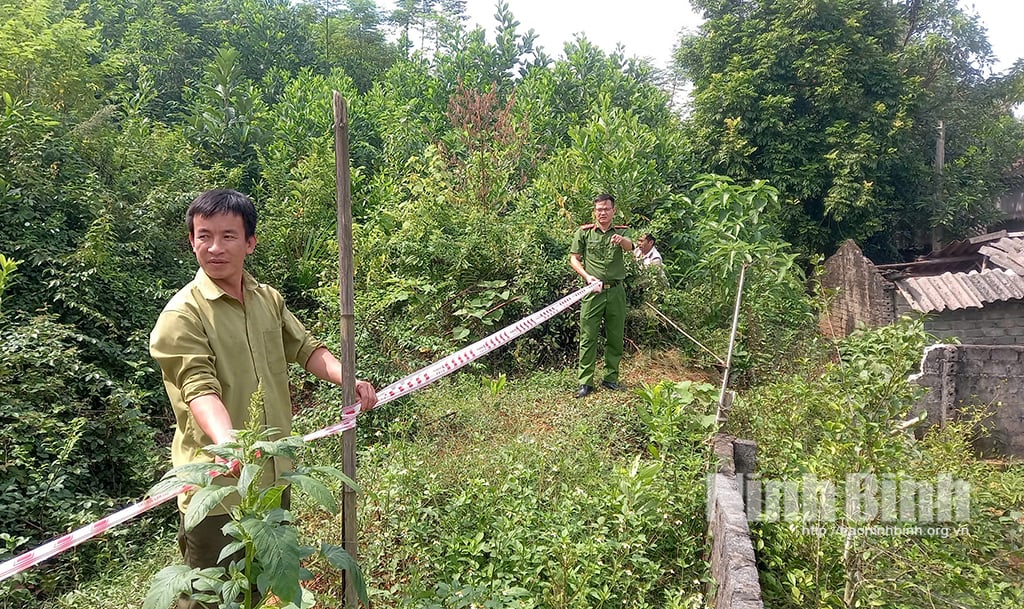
(849, 417)
(526, 499)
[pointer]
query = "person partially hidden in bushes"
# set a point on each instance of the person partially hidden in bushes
(597, 257)
(645, 251)
(218, 340)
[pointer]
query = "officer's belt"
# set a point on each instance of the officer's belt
(607, 285)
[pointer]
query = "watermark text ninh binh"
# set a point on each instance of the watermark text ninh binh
(861, 505)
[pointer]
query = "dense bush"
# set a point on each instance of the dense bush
(511, 496)
(74, 446)
(850, 416)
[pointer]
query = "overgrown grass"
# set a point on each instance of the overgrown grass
(525, 497)
(510, 493)
(122, 584)
(504, 494)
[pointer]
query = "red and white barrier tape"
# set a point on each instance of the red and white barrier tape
(417, 380)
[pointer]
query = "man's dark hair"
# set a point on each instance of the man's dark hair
(651, 237)
(223, 201)
(604, 197)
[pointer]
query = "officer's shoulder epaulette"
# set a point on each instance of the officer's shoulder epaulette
(587, 226)
(621, 226)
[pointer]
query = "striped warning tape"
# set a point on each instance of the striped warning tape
(410, 383)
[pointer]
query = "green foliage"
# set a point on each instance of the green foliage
(49, 56)
(520, 499)
(851, 415)
(472, 163)
(7, 268)
(353, 38)
(441, 260)
(74, 446)
(611, 152)
(222, 118)
(837, 106)
(266, 538)
(706, 237)
(667, 411)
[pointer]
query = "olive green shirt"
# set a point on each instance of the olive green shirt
(206, 341)
(601, 258)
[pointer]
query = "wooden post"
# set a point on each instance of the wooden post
(940, 170)
(347, 308)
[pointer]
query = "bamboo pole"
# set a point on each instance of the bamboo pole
(350, 534)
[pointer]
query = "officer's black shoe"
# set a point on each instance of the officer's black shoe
(610, 385)
(584, 391)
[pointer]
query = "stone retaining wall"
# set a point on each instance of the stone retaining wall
(733, 565)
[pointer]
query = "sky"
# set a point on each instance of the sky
(650, 28)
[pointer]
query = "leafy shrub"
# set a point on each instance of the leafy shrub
(849, 416)
(74, 444)
(517, 499)
(266, 539)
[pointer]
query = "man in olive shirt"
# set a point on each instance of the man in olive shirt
(220, 338)
(597, 256)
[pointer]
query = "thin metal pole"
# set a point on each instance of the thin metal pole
(732, 343)
(349, 524)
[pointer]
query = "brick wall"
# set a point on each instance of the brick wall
(999, 323)
(860, 295)
(962, 376)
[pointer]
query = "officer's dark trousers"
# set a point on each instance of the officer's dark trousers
(609, 306)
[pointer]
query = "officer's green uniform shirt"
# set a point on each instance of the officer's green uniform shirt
(207, 342)
(601, 258)
(604, 260)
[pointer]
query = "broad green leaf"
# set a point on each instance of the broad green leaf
(250, 475)
(233, 589)
(231, 548)
(317, 490)
(168, 584)
(204, 500)
(337, 556)
(278, 553)
(270, 498)
(336, 474)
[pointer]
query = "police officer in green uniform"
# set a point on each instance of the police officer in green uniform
(597, 256)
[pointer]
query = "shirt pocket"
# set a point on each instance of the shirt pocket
(273, 344)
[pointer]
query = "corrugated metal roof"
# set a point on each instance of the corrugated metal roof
(1007, 253)
(995, 250)
(952, 291)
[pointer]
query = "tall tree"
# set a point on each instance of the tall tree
(49, 55)
(836, 103)
(353, 37)
(420, 23)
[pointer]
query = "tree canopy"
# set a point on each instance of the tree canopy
(474, 158)
(838, 105)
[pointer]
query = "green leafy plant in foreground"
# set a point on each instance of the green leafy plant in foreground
(670, 412)
(262, 529)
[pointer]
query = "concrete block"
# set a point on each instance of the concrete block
(1008, 354)
(733, 565)
(972, 367)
